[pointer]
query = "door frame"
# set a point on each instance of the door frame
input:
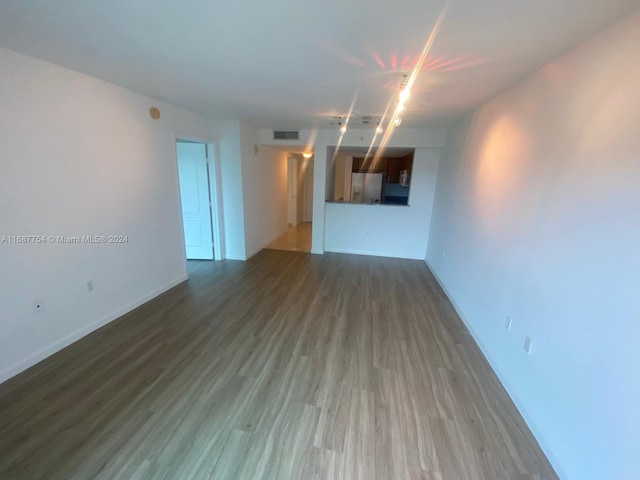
(215, 193)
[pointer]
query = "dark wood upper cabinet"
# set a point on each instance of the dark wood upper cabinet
(369, 166)
(391, 166)
(406, 163)
(393, 170)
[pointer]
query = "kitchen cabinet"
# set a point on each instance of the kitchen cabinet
(391, 166)
(393, 170)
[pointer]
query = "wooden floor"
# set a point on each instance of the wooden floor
(295, 239)
(287, 366)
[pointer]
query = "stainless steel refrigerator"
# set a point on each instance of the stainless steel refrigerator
(366, 187)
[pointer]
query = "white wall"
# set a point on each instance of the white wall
(232, 191)
(264, 184)
(302, 166)
(538, 213)
(79, 156)
(308, 191)
(387, 230)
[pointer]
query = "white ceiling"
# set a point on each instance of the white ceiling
(295, 63)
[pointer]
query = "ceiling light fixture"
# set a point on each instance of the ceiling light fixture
(397, 122)
(341, 122)
(379, 129)
(307, 155)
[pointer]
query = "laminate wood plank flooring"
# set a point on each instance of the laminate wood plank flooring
(295, 239)
(287, 366)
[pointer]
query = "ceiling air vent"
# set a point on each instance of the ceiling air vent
(286, 135)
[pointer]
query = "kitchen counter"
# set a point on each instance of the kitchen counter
(337, 202)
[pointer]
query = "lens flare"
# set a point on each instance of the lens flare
(411, 81)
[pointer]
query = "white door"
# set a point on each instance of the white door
(196, 207)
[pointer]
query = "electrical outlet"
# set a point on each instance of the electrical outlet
(90, 286)
(528, 344)
(507, 323)
(37, 306)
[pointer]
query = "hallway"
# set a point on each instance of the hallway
(295, 239)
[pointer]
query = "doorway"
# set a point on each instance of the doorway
(196, 198)
(299, 206)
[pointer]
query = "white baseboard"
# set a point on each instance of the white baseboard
(235, 257)
(514, 398)
(78, 334)
(246, 257)
(370, 253)
(251, 254)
